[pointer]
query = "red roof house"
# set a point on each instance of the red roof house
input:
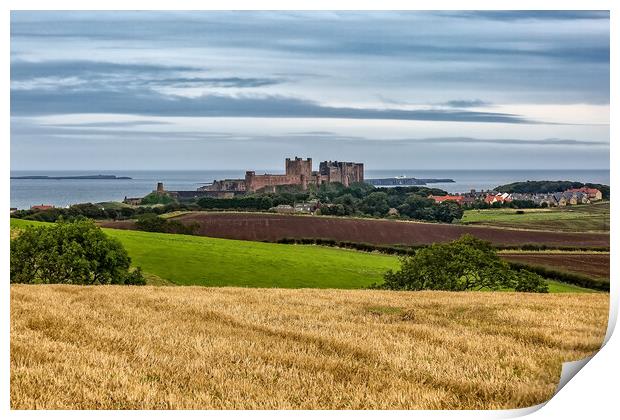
(459, 199)
(593, 193)
(41, 207)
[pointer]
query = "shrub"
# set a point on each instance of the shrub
(526, 281)
(465, 264)
(72, 253)
(562, 276)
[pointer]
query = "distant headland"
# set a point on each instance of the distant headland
(97, 177)
(402, 180)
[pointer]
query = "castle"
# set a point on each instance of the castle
(298, 171)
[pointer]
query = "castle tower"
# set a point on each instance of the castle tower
(160, 188)
(298, 166)
(249, 181)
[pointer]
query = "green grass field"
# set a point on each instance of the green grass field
(170, 259)
(580, 218)
(196, 260)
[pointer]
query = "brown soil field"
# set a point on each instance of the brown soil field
(271, 227)
(132, 347)
(591, 264)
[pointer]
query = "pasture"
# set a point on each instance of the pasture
(196, 260)
(581, 218)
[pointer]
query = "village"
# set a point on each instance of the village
(569, 197)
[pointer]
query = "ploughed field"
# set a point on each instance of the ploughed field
(590, 264)
(132, 347)
(271, 227)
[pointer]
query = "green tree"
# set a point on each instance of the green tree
(73, 253)
(155, 198)
(375, 204)
(465, 264)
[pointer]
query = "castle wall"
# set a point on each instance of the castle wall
(255, 182)
(237, 185)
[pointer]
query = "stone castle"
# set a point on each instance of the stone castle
(298, 171)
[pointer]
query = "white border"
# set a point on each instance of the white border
(592, 394)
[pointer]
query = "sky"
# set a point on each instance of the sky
(244, 90)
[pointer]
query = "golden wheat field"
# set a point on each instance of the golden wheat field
(121, 347)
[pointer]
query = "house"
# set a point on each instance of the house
(546, 200)
(459, 199)
(13, 210)
(594, 194)
(585, 198)
(468, 200)
(560, 199)
(579, 198)
(41, 207)
(498, 198)
(133, 201)
(283, 208)
(306, 207)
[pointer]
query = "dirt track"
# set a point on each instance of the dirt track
(271, 227)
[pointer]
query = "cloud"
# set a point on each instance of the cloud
(22, 70)
(107, 124)
(461, 141)
(222, 82)
(91, 75)
(466, 103)
(512, 15)
(510, 56)
(540, 142)
(149, 102)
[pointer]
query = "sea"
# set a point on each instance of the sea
(62, 193)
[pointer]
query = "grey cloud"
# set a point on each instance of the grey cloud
(106, 124)
(327, 139)
(530, 58)
(148, 102)
(223, 82)
(541, 142)
(95, 74)
(466, 103)
(104, 130)
(511, 15)
(23, 70)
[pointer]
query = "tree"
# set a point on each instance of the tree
(465, 264)
(72, 253)
(156, 198)
(375, 204)
(447, 212)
